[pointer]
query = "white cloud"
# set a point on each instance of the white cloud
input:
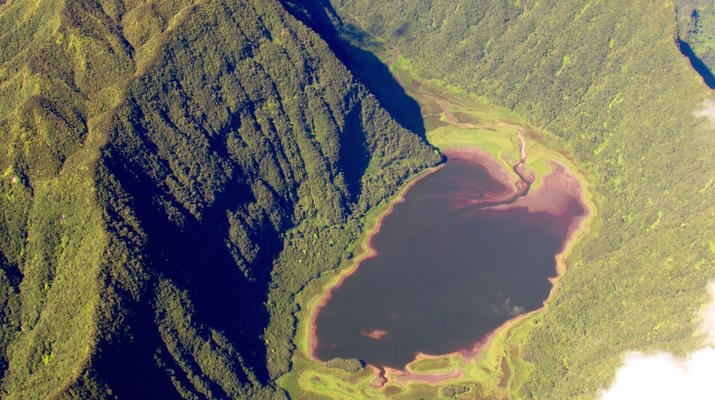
(507, 308)
(708, 316)
(707, 111)
(663, 376)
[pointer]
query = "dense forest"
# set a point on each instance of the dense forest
(609, 80)
(174, 172)
(172, 175)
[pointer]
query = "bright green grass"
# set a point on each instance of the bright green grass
(445, 364)
(484, 126)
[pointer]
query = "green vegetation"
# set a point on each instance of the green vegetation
(624, 105)
(494, 372)
(350, 365)
(696, 26)
(173, 173)
(179, 180)
(456, 119)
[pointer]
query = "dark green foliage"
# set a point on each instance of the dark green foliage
(453, 391)
(350, 365)
(9, 308)
(609, 80)
(173, 173)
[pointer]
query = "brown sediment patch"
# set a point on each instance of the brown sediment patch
(555, 196)
(395, 54)
(379, 375)
(558, 189)
(522, 144)
(493, 166)
(444, 105)
(447, 114)
(367, 252)
(465, 118)
(568, 184)
(460, 120)
(505, 370)
(519, 188)
(405, 375)
(375, 334)
(433, 121)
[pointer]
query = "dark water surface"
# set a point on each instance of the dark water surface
(445, 275)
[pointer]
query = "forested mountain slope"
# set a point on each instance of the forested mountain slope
(609, 80)
(172, 173)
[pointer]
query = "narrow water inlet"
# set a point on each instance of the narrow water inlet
(698, 65)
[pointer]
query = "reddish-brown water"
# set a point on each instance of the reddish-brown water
(447, 272)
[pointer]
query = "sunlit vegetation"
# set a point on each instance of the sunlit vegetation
(696, 27)
(609, 81)
(173, 173)
(179, 180)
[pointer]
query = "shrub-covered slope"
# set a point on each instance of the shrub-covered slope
(608, 79)
(173, 172)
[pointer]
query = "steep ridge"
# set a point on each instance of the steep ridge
(610, 82)
(173, 172)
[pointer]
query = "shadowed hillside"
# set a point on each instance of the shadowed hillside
(364, 65)
(173, 173)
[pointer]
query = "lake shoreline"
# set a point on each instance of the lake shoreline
(478, 156)
(534, 202)
(480, 128)
(366, 251)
